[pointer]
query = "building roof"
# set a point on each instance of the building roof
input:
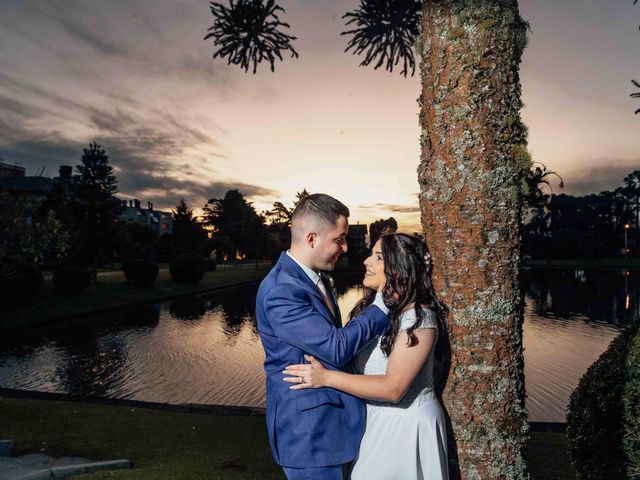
(357, 229)
(37, 185)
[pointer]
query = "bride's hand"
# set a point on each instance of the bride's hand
(311, 375)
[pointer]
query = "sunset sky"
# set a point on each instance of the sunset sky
(138, 78)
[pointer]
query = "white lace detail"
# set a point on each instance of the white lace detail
(372, 361)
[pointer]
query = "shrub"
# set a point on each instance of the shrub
(71, 280)
(631, 401)
(20, 283)
(140, 272)
(187, 268)
(210, 264)
(603, 437)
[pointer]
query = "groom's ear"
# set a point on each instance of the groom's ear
(311, 239)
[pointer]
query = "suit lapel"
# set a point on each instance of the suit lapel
(294, 270)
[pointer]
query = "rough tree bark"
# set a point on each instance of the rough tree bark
(472, 164)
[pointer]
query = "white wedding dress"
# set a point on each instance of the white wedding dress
(405, 440)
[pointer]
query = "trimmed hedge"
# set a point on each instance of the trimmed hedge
(210, 264)
(603, 425)
(20, 283)
(187, 268)
(140, 272)
(71, 280)
(631, 401)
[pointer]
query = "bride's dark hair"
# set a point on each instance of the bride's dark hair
(408, 276)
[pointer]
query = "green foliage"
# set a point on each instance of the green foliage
(602, 437)
(140, 272)
(71, 280)
(187, 268)
(27, 236)
(134, 240)
(20, 283)
(631, 402)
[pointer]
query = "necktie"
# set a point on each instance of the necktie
(325, 295)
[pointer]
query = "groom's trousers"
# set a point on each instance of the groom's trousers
(318, 473)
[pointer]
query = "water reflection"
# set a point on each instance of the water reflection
(596, 295)
(206, 348)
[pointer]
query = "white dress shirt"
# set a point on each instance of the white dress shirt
(315, 278)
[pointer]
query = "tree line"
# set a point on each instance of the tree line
(590, 226)
(78, 224)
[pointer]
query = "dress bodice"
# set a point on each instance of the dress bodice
(372, 361)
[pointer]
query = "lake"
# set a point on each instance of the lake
(206, 350)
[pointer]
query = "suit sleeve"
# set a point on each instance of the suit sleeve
(295, 321)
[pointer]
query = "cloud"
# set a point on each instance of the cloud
(607, 175)
(392, 208)
(94, 36)
(151, 153)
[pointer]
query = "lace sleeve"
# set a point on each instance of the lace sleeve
(409, 318)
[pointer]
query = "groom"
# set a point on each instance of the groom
(312, 432)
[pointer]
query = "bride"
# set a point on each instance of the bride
(405, 435)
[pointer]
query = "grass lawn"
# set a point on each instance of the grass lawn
(112, 291)
(182, 446)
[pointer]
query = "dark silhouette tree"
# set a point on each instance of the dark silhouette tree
(280, 214)
(248, 32)
(385, 33)
(189, 235)
(379, 227)
(94, 188)
(537, 182)
(235, 219)
(632, 191)
(183, 214)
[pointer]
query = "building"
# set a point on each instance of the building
(36, 187)
(160, 221)
(14, 181)
(357, 237)
(10, 171)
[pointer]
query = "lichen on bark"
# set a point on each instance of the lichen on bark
(470, 175)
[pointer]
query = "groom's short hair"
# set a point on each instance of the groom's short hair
(319, 209)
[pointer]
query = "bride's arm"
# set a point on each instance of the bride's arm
(404, 364)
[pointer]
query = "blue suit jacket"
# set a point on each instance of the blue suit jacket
(310, 427)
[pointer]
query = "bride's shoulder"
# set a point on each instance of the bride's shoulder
(428, 320)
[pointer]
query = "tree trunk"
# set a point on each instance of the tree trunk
(471, 173)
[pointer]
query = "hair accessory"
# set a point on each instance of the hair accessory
(428, 260)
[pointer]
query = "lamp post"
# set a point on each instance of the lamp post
(626, 250)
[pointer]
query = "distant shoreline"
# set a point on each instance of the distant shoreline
(595, 263)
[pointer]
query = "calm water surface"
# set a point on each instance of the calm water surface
(206, 349)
